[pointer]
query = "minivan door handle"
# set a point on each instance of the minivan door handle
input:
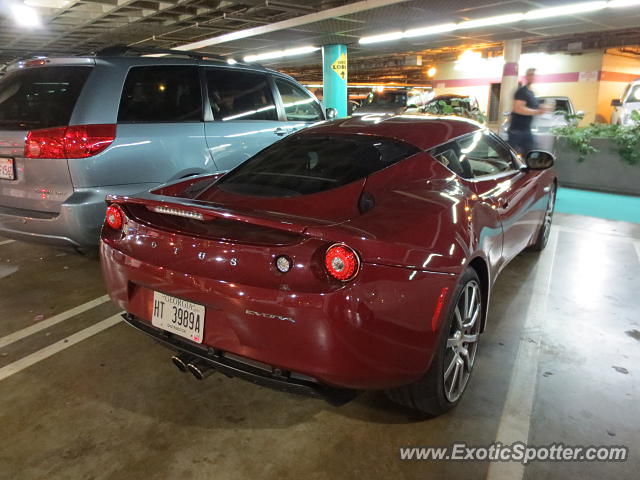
(281, 131)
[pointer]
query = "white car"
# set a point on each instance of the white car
(542, 125)
(623, 106)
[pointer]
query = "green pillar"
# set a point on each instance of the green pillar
(334, 78)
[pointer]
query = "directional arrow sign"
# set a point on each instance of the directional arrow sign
(340, 66)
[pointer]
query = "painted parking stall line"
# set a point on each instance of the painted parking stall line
(6, 242)
(61, 317)
(516, 414)
(58, 346)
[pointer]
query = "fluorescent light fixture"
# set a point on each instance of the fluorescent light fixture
(623, 3)
(384, 37)
(419, 32)
(231, 61)
(280, 53)
(571, 9)
(25, 16)
(488, 21)
(47, 3)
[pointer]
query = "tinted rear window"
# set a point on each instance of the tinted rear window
(161, 94)
(305, 164)
(40, 97)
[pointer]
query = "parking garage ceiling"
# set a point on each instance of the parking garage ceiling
(81, 26)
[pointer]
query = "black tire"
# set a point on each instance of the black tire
(545, 228)
(428, 394)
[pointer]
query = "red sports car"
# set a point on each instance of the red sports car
(355, 254)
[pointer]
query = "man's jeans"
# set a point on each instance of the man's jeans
(521, 141)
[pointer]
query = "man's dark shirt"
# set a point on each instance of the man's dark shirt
(522, 123)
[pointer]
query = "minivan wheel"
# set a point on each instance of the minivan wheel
(442, 387)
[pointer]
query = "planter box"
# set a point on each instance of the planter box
(602, 171)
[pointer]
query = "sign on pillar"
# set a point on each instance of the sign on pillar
(340, 66)
(334, 78)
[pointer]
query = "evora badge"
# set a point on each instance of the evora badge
(269, 315)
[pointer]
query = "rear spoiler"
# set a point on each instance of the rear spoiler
(206, 212)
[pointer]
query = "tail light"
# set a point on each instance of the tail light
(114, 217)
(79, 141)
(342, 262)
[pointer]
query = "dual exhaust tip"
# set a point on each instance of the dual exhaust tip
(196, 366)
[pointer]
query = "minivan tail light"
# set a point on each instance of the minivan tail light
(342, 262)
(78, 141)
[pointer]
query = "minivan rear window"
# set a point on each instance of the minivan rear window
(40, 97)
(306, 164)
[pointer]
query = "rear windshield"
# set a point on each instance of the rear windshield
(40, 97)
(306, 164)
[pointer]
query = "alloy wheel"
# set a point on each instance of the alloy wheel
(462, 341)
(548, 215)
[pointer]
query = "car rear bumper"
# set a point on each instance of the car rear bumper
(379, 331)
(234, 366)
(76, 224)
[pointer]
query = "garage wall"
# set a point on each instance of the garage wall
(572, 75)
(617, 71)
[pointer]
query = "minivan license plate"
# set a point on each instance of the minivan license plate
(178, 316)
(7, 169)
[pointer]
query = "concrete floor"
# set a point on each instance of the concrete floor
(559, 363)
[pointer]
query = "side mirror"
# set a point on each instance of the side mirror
(616, 102)
(539, 160)
(331, 113)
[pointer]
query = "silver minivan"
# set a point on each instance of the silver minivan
(75, 129)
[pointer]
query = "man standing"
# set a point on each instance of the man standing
(525, 107)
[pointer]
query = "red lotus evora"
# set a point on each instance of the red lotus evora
(355, 254)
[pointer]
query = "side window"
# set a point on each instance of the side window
(484, 155)
(299, 106)
(161, 94)
(449, 156)
(240, 95)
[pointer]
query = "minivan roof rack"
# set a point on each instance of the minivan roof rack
(124, 50)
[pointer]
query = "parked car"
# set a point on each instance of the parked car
(628, 102)
(451, 104)
(561, 114)
(389, 101)
(74, 129)
(351, 255)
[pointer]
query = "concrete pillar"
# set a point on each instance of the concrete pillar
(334, 78)
(512, 49)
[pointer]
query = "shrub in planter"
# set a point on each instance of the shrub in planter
(625, 137)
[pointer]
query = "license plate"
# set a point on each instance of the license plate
(178, 316)
(7, 170)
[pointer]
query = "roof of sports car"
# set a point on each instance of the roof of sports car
(423, 131)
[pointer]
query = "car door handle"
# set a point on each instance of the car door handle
(281, 131)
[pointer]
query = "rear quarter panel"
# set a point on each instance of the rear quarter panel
(425, 218)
